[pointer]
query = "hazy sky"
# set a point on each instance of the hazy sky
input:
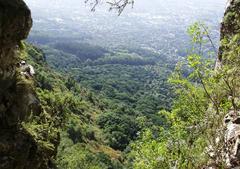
(151, 6)
(152, 19)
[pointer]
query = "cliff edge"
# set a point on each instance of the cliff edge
(19, 149)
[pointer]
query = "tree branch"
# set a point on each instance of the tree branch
(118, 5)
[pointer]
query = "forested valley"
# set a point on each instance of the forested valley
(146, 88)
(128, 83)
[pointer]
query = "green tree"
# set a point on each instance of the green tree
(194, 132)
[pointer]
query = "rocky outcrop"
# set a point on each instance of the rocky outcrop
(232, 139)
(230, 25)
(230, 29)
(18, 147)
(15, 24)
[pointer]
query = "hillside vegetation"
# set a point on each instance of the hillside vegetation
(72, 112)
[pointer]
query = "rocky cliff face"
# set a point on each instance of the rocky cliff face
(230, 25)
(15, 24)
(229, 56)
(18, 148)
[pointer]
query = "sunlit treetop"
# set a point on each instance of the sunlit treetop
(117, 5)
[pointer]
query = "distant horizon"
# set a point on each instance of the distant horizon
(146, 26)
(139, 6)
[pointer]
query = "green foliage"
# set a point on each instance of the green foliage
(182, 142)
(120, 129)
(193, 132)
(82, 51)
(76, 149)
(124, 59)
(69, 111)
(122, 106)
(120, 84)
(130, 85)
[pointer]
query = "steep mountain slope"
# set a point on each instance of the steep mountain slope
(72, 110)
